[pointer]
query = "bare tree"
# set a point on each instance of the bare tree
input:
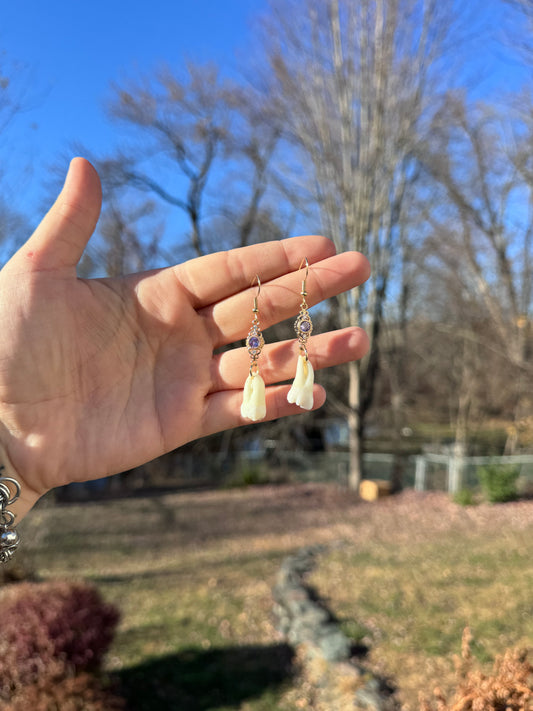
(485, 219)
(14, 99)
(181, 125)
(352, 82)
(250, 148)
(202, 145)
(121, 250)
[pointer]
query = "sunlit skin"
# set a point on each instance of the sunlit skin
(101, 375)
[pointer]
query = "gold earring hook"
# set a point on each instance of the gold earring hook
(256, 309)
(304, 282)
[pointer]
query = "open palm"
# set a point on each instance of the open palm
(101, 375)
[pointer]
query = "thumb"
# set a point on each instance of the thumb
(63, 234)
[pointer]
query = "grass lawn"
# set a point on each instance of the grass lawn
(192, 575)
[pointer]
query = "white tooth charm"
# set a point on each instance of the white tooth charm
(301, 391)
(246, 396)
(254, 396)
(254, 403)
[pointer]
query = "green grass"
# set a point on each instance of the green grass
(192, 574)
(419, 598)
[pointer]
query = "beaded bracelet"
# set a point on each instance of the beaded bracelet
(9, 538)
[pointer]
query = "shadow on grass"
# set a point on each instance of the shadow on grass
(197, 680)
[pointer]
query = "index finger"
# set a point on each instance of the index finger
(214, 277)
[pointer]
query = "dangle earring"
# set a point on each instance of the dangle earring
(253, 403)
(301, 391)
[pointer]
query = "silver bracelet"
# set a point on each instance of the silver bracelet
(9, 538)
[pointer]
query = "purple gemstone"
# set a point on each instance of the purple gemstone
(305, 326)
(253, 342)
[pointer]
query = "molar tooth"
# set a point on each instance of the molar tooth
(254, 398)
(301, 391)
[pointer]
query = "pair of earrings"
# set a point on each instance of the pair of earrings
(253, 404)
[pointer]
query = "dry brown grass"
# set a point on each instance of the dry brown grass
(507, 687)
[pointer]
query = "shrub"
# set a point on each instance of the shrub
(464, 497)
(82, 692)
(255, 475)
(50, 630)
(508, 688)
(246, 476)
(499, 482)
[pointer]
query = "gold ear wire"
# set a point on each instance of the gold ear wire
(255, 309)
(303, 292)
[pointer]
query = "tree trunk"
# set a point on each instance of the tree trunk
(355, 427)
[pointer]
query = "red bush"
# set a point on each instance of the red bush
(51, 629)
(78, 693)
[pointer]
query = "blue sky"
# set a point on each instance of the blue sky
(69, 52)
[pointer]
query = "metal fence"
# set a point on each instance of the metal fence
(448, 473)
(331, 466)
(440, 472)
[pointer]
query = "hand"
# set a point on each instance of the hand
(101, 375)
